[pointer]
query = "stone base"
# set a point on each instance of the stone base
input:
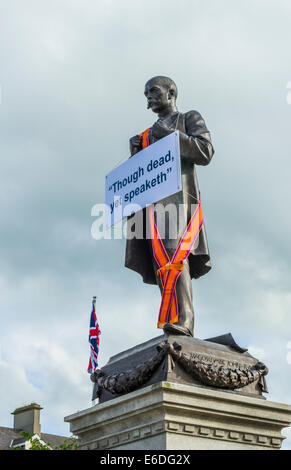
(171, 416)
(216, 363)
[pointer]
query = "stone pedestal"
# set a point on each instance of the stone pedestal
(177, 416)
(217, 362)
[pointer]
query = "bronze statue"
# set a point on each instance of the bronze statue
(196, 149)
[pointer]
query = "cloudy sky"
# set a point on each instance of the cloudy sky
(72, 74)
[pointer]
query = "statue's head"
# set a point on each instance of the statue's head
(161, 93)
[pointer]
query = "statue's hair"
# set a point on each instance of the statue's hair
(168, 82)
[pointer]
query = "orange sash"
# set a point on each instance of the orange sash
(170, 270)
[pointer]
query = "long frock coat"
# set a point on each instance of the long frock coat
(195, 149)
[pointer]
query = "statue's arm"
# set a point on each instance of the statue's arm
(196, 144)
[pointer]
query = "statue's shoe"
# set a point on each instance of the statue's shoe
(174, 329)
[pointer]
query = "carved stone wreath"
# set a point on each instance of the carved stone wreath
(206, 372)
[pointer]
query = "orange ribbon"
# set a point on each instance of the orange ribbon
(170, 270)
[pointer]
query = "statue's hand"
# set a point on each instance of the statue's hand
(160, 130)
(135, 144)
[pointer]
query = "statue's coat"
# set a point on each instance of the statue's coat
(196, 149)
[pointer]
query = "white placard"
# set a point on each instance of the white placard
(149, 176)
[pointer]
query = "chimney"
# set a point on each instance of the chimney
(27, 418)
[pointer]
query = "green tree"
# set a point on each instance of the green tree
(71, 443)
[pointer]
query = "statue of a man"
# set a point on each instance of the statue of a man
(195, 149)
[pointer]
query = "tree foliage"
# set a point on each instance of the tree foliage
(71, 443)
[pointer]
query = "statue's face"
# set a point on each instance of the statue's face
(157, 95)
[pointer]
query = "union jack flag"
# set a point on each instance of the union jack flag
(94, 333)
